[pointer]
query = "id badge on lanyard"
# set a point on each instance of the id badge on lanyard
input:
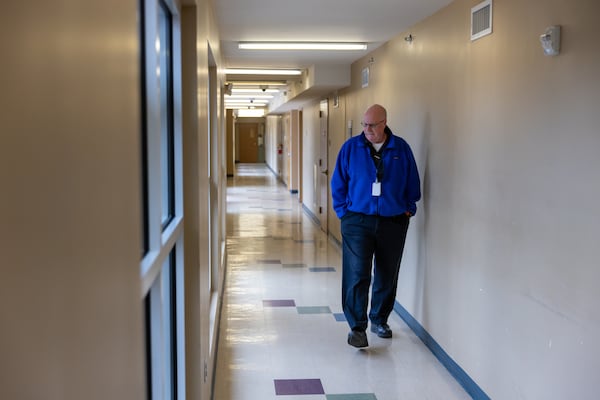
(376, 189)
(378, 160)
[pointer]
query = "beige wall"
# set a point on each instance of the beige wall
(501, 263)
(70, 305)
(70, 289)
(196, 262)
(200, 33)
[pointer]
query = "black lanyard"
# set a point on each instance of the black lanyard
(377, 157)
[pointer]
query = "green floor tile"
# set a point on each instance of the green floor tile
(314, 310)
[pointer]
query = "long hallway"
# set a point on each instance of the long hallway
(282, 333)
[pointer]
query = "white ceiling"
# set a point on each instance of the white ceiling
(371, 21)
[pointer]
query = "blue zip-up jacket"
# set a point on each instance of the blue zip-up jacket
(355, 172)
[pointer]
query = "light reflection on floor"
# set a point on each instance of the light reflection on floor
(282, 333)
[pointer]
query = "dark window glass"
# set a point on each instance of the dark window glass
(148, 331)
(167, 134)
(144, 132)
(173, 323)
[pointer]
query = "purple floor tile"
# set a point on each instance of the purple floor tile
(298, 386)
(279, 303)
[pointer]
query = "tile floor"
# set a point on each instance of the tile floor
(283, 333)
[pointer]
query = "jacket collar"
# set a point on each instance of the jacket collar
(389, 139)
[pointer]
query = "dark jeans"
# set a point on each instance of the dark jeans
(365, 236)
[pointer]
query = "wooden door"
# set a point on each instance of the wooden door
(248, 142)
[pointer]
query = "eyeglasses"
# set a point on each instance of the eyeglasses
(365, 125)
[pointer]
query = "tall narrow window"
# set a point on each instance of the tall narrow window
(161, 332)
(164, 47)
(162, 215)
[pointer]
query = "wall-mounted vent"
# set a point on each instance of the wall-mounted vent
(481, 20)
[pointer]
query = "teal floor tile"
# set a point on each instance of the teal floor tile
(356, 396)
(314, 310)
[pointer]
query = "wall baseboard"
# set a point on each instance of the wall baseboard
(455, 370)
(312, 216)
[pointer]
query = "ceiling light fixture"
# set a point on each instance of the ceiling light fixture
(247, 71)
(245, 96)
(247, 101)
(258, 84)
(245, 106)
(257, 90)
(301, 46)
(250, 112)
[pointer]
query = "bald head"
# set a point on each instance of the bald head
(376, 111)
(374, 122)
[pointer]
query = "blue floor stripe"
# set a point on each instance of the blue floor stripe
(455, 370)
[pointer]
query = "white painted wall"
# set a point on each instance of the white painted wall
(273, 139)
(310, 151)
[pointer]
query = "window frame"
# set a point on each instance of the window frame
(161, 266)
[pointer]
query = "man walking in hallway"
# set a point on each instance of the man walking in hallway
(375, 187)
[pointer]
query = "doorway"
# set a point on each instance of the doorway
(248, 142)
(323, 175)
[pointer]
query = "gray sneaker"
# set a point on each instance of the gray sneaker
(382, 330)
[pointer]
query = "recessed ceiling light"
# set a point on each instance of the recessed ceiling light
(242, 105)
(250, 112)
(301, 46)
(246, 101)
(257, 90)
(248, 71)
(257, 84)
(245, 96)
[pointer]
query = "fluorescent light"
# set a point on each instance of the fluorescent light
(247, 71)
(257, 84)
(257, 90)
(246, 100)
(245, 106)
(249, 96)
(256, 112)
(301, 46)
